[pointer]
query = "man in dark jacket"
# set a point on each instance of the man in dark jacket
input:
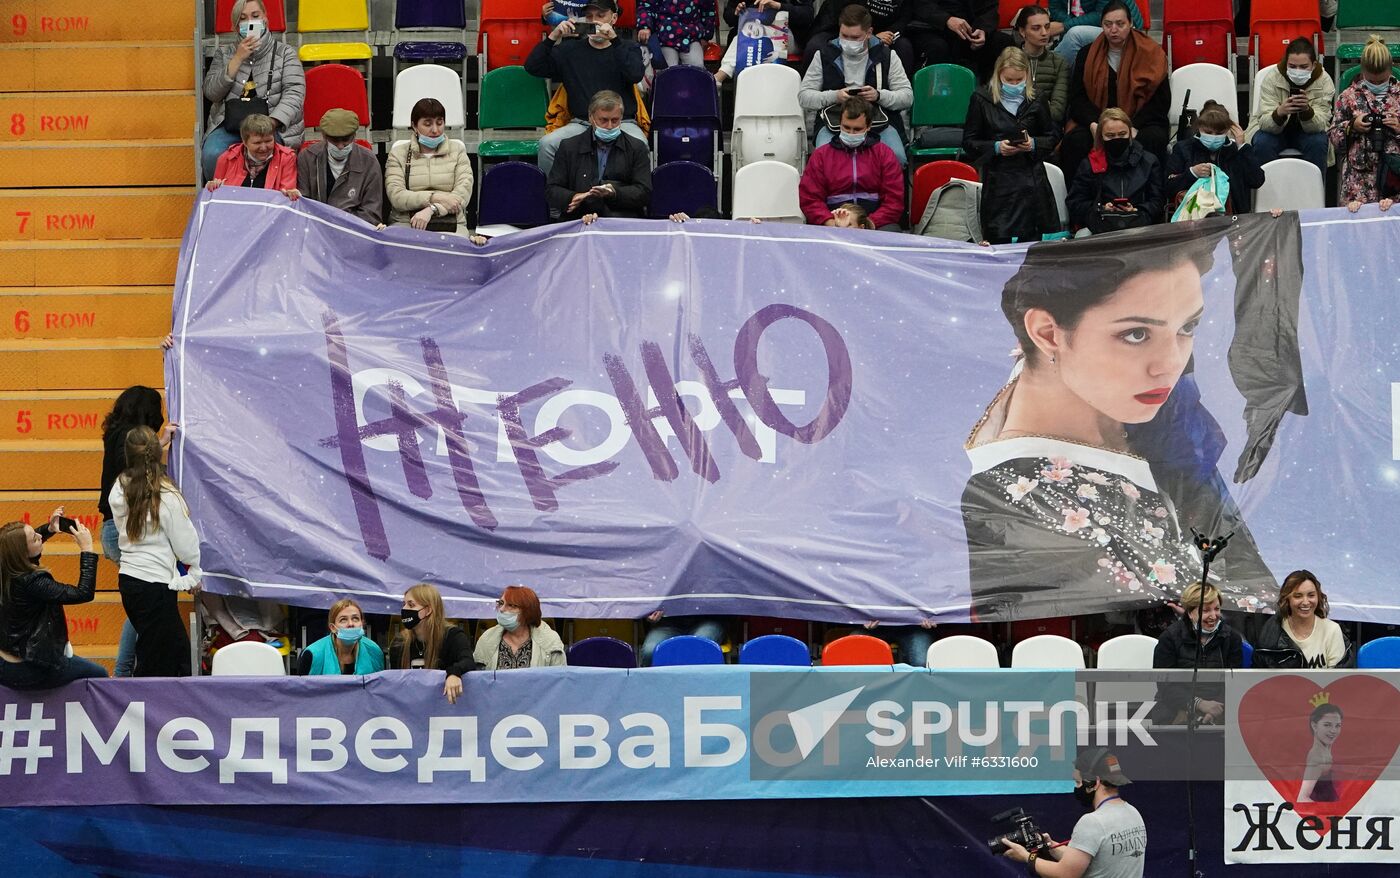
(889, 20)
(1221, 647)
(958, 32)
(600, 171)
(339, 172)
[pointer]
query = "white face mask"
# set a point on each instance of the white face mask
(254, 27)
(339, 153)
(1299, 77)
(854, 47)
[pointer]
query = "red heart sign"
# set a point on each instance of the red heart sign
(1274, 719)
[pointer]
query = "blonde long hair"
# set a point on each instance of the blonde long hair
(1376, 57)
(431, 629)
(1015, 59)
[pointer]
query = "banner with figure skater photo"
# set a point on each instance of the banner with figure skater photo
(778, 420)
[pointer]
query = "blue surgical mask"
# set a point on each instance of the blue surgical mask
(1013, 91)
(508, 621)
(1212, 142)
(349, 635)
(431, 142)
(852, 140)
(339, 153)
(1377, 88)
(253, 26)
(606, 135)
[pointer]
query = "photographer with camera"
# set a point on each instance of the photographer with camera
(1108, 842)
(1367, 127)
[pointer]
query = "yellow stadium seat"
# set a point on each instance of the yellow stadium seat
(30, 67)
(92, 213)
(59, 263)
(97, 163)
(317, 52)
(320, 16)
(107, 363)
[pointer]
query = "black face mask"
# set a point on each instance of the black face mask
(410, 619)
(1084, 793)
(1116, 149)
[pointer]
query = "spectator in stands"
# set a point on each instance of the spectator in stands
(889, 22)
(1220, 647)
(800, 16)
(33, 629)
(521, 638)
(260, 68)
(1077, 24)
(958, 32)
(1125, 69)
(763, 37)
(1300, 635)
(599, 171)
(346, 650)
(430, 640)
(429, 177)
(851, 216)
(681, 27)
(1049, 71)
(857, 65)
(339, 172)
(1295, 107)
(1219, 142)
(602, 62)
(708, 627)
(1009, 134)
(912, 641)
(1119, 186)
(259, 162)
(154, 534)
(1367, 128)
(135, 407)
(857, 168)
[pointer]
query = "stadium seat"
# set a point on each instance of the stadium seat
(1127, 652)
(1204, 82)
(1047, 651)
(767, 190)
(431, 15)
(1290, 184)
(1368, 16)
(857, 649)
(428, 81)
(511, 99)
(1382, 653)
(928, 178)
(334, 86)
(618, 629)
(775, 649)
(686, 649)
(430, 32)
(1273, 25)
(509, 30)
(223, 16)
(1007, 8)
(513, 194)
(759, 626)
(685, 125)
(1199, 32)
(682, 187)
(1248, 649)
(334, 16)
(1349, 76)
(769, 124)
(248, 659)
(941, 96)
(961, 652)
(1057, 185)
(602, 652)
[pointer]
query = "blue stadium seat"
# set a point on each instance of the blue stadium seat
(776, 649)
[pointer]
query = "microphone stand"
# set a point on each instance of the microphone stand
(1209, 548)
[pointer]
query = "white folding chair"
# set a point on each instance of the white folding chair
(1127, 652)
(429, 81)
(1205, 82)
(248, 659)
(768, 121)
(962, 651)
(767, 190)
(1057, 185)
(1051, 651)
(1290, 184)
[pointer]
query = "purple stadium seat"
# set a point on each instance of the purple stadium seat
(429, 53)
(685, 119)
(776, 649)
(682, 187)
(513, 194)
(430, 13)
(687, 649)
(602, 652)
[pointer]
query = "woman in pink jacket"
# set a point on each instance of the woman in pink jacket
(259, 161)
(854, 168)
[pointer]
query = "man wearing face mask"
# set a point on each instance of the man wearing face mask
(600, 171)
(585, 66)
(1108, 842)
(857, 168)
(521, 637)
(857, 64)
(1221, 646)
(339, 172)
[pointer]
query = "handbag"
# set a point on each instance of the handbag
(879, 119)
(248, 104)
(446, 223)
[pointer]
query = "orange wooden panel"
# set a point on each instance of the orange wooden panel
(54, 414)
(93, 214)
(80, 365)
(78, 115)
(84, 312)
(66, 263)
(34, 507)
(97, 163)
(98, 622)
(75, 21)
(49, 466)
(26, 67)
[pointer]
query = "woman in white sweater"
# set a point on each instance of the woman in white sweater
(154, 532)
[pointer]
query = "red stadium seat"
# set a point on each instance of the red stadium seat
(1145, 8)
(276, 16)
(1009, 8)
(506, 43)
(933, 175)
(335, 86)
(857, 649)
(1268, 39)
(1199, 32)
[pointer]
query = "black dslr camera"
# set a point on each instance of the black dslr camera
(1018, 826)
(1375, 135)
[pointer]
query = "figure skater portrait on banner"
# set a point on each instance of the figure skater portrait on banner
(1325, 723)
(1093, 464)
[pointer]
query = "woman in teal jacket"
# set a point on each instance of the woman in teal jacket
(345, 650)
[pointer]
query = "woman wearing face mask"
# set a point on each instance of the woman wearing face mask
(1295, 107)
(257, 66)
(1049, 73)
(33, 629)
(1119, 186)
(259, 162)
(1218, 142)
(520, 638)
(1366, 130)
(1325, 723)
(1300, 635)
(430, 641)
(1008, 134)
(1220, 647)
(345, 650)
(429, 178)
